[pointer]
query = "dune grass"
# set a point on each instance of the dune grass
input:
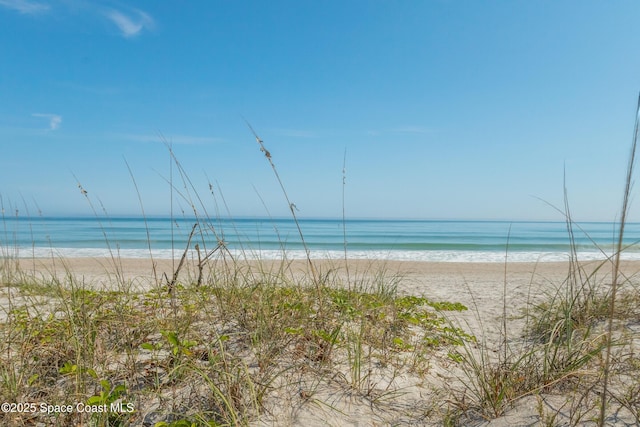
(579, 342)
(213, 356)
(222, 341)
(216, 341)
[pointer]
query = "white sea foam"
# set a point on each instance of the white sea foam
(394, 255)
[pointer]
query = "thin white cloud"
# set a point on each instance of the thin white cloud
(130, 26)
(54, 119)
(25, 6)
(171, 139)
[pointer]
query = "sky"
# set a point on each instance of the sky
(434, 109)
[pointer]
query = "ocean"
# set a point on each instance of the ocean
(266, 238)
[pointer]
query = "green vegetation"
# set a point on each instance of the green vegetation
(209, 354)
(227, 342)
(579, 343)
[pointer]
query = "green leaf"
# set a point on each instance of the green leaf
(118, 390)
(148, 346)
(95, 400)
(172, 337)
(32, 379)
(68, 368)
(189, 344)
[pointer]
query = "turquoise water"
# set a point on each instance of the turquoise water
(469, 241)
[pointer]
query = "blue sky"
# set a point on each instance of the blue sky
(446, 109)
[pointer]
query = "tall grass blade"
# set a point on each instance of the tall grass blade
(292, 207)
(144, 217)
(616, 265)
(344, 219)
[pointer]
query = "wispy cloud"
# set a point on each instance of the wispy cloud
(130, 26)
(54, 119)
(25, 6)
(172, 139)
(130, 23)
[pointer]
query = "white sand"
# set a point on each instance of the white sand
(488, 289)
(479, 286)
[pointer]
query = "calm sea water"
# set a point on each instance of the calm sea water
(468, 241)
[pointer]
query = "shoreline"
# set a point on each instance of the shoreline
(248, 254)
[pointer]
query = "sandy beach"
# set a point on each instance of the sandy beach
(444, 278)
(478, 285)
(489, 290)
